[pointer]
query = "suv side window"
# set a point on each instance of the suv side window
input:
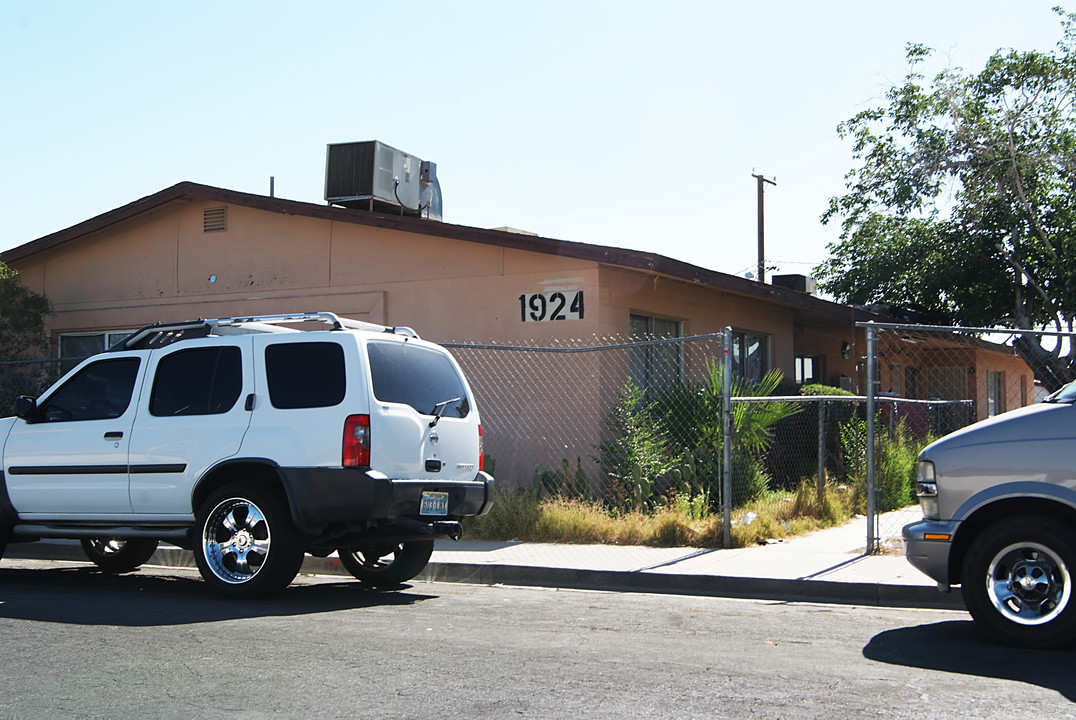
(416, 376)
(201, 381)
(100, 391)
(305, 374)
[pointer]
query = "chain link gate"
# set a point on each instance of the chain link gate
(923, 382)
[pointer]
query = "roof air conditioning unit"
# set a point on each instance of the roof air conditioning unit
(802, 283)
(370, 175)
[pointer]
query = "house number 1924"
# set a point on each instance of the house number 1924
(536, 307)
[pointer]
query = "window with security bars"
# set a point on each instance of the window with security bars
(659, 364)
(995, 392)
(750, 355)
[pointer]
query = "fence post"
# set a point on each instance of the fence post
(821, 451)
(726, 392)
(871, 516)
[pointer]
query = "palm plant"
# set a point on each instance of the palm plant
(691, 414)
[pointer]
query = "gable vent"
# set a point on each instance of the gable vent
(215, 220)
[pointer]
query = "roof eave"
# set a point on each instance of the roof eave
(605, 255)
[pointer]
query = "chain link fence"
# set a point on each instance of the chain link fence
(927, 381)
(632, 422)
(573, 417)
(27, 377)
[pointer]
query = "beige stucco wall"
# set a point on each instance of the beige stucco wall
(161, 266)
(952, 373)
(165, 268)
(704, 310)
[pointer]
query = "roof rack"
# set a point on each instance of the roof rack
(161, 334)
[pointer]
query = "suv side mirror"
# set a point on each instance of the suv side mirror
(26, 408)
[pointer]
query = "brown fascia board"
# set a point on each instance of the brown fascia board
(613, 256)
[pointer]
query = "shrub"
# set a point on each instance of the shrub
(514, 516)
(693, 416)
(896, 460)
(897, 469)
(638, 455)
(562, 481)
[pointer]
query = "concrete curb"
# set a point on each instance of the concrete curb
(786, 590)
(782, 590)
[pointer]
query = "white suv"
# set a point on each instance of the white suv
(251, 441)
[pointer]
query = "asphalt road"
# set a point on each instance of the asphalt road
(155, 644)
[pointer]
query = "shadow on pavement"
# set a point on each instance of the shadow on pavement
(957, 646)
(86, 596)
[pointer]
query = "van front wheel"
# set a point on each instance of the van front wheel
(1017, 582)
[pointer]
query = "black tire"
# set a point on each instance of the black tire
(245, 544)
(114, 555)
(1017, 582)
(388, 565)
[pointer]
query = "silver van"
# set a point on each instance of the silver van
(999, 519)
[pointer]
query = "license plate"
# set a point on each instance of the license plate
(433, 503)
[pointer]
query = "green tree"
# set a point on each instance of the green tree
(22, 337)
(964, 196)
(22, 319)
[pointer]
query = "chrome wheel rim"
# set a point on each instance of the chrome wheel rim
(1028, 584)
(377, 560)
(107, 547)
(235, 540)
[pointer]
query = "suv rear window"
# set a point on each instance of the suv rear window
(305, 374)
(417, 376)
(202, 381)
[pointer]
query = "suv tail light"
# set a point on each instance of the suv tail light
(481, 451)
(356, 441)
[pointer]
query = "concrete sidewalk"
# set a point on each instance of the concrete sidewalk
(825, 566)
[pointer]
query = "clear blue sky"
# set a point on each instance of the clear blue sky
(633, 124)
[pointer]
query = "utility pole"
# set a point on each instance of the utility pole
(762, 225)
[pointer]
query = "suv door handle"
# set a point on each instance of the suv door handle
(115, 435)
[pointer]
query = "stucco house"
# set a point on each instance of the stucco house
(198, 251)
(193, 251)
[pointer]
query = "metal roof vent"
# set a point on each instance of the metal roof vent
(215, 219)
(373, 176)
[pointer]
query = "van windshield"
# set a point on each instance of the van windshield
(1066, 394)
(423, 378)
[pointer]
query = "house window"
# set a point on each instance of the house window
(896, 379)
(911, 382)
(995, 392)
(658, 364)
(750, 355)
(808, 369)
(75, 347)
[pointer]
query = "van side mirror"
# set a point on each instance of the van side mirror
(26, 408)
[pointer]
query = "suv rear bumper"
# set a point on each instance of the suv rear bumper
(930, 555)
(320, 497)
